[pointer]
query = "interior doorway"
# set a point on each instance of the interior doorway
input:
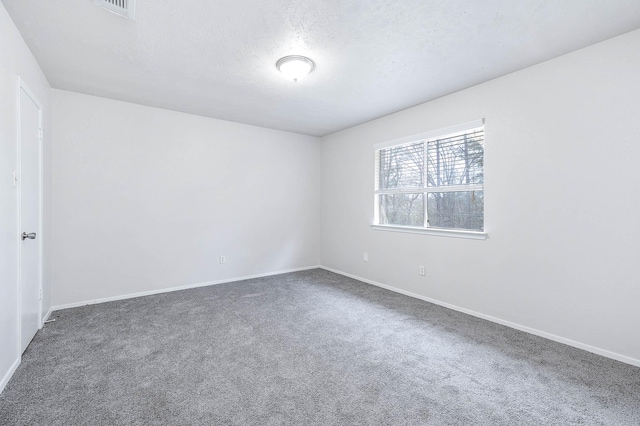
(29, 179)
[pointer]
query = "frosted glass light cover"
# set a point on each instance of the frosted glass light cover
(295, 67)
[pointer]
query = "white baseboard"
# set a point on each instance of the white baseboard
(170, 289)
(559, 339)
(48, 314)
(9, 374)
(16, 363)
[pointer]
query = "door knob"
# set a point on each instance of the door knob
(30, 235)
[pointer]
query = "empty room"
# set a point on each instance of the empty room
(278, 212)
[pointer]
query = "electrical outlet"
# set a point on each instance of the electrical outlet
(365, 257)
(422, 272)
(223, 259)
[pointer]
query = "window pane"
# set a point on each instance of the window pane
(456, 161)
(456, 210)
(402, 209)
(402, 166)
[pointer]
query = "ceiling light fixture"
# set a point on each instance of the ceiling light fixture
(295, 67)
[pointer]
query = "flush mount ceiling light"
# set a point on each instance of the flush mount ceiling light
(295, 67)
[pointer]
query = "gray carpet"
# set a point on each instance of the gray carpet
(307, 348)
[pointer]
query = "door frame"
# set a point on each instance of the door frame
(21, 86)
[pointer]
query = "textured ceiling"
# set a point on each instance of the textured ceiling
(373, 57)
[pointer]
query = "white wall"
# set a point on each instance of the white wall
(16, 61)
(148, 199)
(562, 202)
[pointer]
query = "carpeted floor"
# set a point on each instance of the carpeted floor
(306, 348)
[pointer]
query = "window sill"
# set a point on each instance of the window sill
(471, 235)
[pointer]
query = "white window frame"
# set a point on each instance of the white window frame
(426, 136)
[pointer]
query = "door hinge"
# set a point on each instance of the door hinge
(40, 295)
(41, 133)
(15, 178)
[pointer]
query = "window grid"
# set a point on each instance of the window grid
(444, 173)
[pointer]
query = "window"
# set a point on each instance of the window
(432, 181)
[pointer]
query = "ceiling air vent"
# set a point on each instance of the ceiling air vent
(126, 8)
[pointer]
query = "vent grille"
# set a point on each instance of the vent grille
(126, 8)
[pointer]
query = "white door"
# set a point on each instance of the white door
(30, 229)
